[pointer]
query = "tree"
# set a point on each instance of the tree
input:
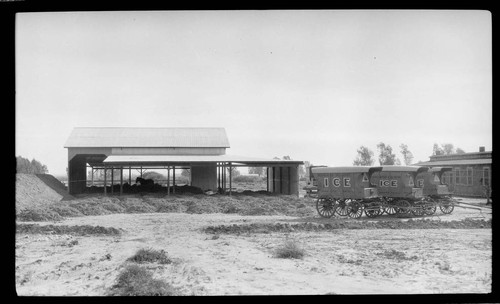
(234, 171)
(386, 157)
(256, 170)
(446, 149)
(407, 155)
(364, 157)
(24, 165)
(186, 174)
(436, 150)
(154, 176)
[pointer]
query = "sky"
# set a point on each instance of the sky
(315, 85)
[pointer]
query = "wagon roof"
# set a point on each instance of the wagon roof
(440, 169)
(351, 169)
(416, 169)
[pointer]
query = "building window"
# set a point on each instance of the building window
(325, 182)
(486, 176)
(457, 176)
(469, 176)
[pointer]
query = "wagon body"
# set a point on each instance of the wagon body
(431, 181)
(399, 181)
(345, 182)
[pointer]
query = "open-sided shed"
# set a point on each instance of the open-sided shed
(203, 150)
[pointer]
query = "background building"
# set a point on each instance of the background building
(471, 174)
(202, 150)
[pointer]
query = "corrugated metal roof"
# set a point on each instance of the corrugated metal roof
(158, 159)
(457, 162)
(353, 169)
(147, 137)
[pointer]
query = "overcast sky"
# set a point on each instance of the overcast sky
(314, 85)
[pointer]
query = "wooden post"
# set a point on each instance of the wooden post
(224, 178)
(105, 182)
(267, 179)
(289, 182)
(168, 180)
(173, 174)
(112, 179)
(230, 179)
(281, 180)
(121, 180)
(129, 175)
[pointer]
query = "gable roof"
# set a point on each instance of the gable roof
(147, 137)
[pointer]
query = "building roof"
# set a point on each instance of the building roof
(457, 162)
(147, 137)
(125, 160)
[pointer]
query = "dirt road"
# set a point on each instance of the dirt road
(342, 261)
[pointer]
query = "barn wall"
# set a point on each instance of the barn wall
(72, 152)
(284, 180)
(77, 174)
(204, 177)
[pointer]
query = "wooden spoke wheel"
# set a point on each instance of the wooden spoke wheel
(391, 210)
(326, 207)
(446, 207)
(417, 209)
(342, 207)
(373, 211)
(430, 208)
(354, 210)
(402, 207)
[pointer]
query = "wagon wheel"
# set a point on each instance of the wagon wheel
(446, 207)
(354, 210)
(418, 209)
(402, 207)
(389, 207)
(430, 208)
(342, 207)
(326, 206)
(391, 210)
(373, 211)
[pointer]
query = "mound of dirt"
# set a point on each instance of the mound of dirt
(55, 185)
(37, 191)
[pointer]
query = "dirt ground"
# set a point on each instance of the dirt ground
(341, 261)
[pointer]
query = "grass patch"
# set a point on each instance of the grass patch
(150, 256)
(397, 255)
(38, 215)
(64, 229)
(290, 250)
(136, 280)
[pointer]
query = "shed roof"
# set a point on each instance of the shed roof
(190, 159)
(147, 137)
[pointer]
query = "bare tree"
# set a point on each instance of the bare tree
(407, 155)
(364, 157)
(386, 157)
